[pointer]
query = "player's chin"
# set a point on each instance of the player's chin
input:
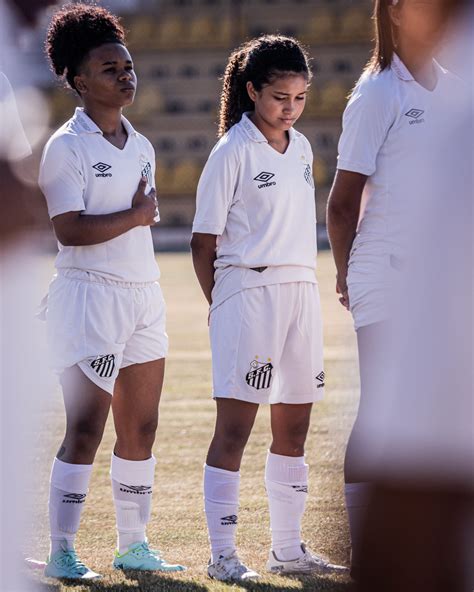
(126, 98)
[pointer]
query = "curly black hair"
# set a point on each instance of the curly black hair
(74, 31)
(259, 61)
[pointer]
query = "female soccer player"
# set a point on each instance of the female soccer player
(254, 253)
(390, 126)
(105, 311)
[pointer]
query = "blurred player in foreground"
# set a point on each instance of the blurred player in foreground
(399, 204)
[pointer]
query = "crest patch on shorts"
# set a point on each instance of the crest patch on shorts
(104, 365)
(260, 374)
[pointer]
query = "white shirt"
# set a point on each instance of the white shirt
(260, 203)
(81, 171)
(389, 133)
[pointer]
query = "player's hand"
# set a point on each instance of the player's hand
(341, 288)
(145, 205)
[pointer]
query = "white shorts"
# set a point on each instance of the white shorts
(267, 345)
(103, 325)
(369, 281)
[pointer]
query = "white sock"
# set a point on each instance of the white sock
(286, 480)
(357, 499)
(132, 487)
(221, 504)
(69, 485)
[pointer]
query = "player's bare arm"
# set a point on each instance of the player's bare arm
(342, 217)
(74, 229)
(203, 247)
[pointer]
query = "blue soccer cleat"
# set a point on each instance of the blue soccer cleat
(64, 564)
(139, 556)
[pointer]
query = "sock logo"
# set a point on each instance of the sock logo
(229, 520)
(300, 488)
(74, 498)
(136, 489)
(260, 374)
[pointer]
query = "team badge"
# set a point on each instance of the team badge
(260, 374)
(103, 365)
(145, 170)
(308, 177)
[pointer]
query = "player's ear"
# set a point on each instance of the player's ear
(80, 84)
(251, 91)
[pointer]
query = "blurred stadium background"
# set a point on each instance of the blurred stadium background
(180, 48)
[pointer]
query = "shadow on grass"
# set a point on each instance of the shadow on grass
(150, 582)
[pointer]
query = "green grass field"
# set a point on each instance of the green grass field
(186, 424)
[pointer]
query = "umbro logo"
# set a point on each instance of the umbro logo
(102, 168)
(265, 179)
(320, 378)
(414, 115)
(229, 520)
(300, 488)
(136, 489)
(74, 498)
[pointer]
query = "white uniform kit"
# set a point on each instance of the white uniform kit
(265, 323)
(387, 129)
(105, 308)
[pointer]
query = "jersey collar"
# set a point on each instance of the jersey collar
(85, 124)
(256, 135)
(400, 69)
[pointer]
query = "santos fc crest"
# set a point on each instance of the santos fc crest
(260, 374)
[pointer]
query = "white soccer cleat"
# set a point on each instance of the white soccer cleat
(229, 568)
(308, 563)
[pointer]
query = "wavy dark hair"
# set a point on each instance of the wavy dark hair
(74, 31)
(259, 61)
(384, 48)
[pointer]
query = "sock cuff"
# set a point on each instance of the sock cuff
(223, 472)
(133, 472)
(70, 477)
(286, 469)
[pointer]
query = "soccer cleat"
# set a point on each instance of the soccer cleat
(229, 568)
(65, 564)
(308, 563)
(139, 556)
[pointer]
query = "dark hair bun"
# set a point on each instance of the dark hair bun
(76, 29)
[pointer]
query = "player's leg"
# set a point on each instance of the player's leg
(87, 407)
(286, 477)
(373, 352)
(135, 410)
(301, 383)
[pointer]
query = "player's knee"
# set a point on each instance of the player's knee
(233, 440)
(146, 431)
(85, 435)
(293, 439)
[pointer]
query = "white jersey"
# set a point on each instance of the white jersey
(387, 130)
(81, 171)
(260, 204)
(13, 142)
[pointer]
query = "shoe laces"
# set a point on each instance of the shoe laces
(234, 565)
(144, 550)
(70, 560)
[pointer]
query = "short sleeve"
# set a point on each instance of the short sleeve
(366, 122)
(61, 178)
(216, 189)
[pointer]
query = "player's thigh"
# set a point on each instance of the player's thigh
(137, 396)
(302, 375)
(86, 404)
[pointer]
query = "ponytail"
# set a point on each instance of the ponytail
(258, 61)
